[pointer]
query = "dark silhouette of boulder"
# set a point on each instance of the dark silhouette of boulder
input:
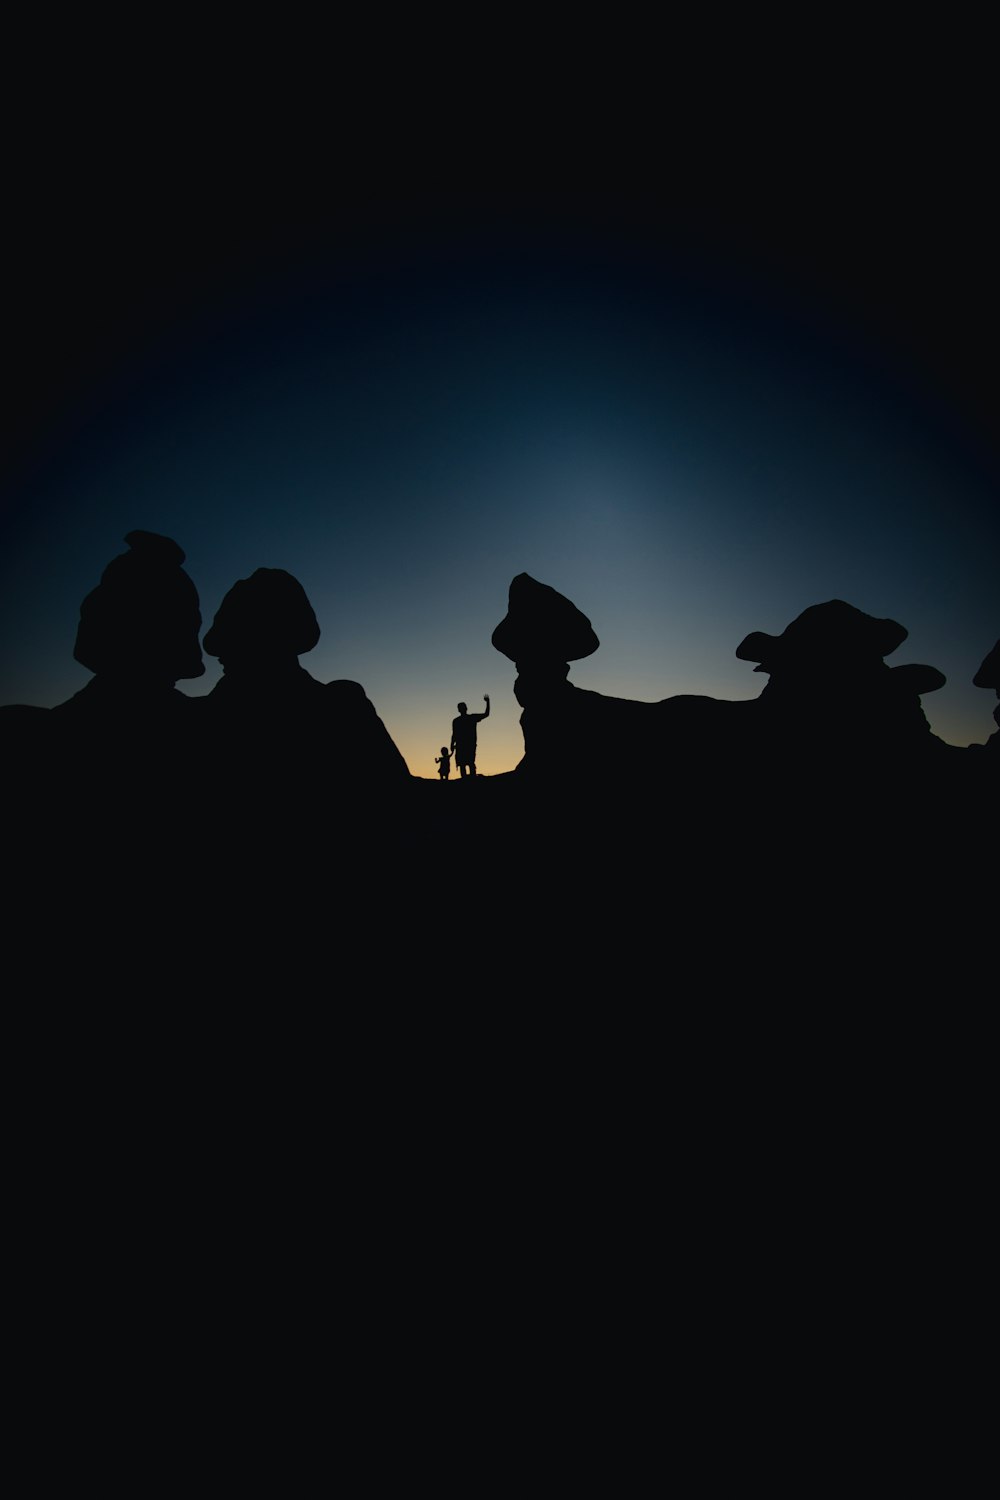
(138, 633)
(569, 732)
(277, 731)
(711, 796)
(30, 770)
(112, 784)
(266, 617)
(988, 676)
(542, 626)
(125, 737)
(834, 632)
(142, 621)
(616, 747)
(121, 767)
(831, 696)
(850, 786)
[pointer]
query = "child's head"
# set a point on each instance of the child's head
(444, 749)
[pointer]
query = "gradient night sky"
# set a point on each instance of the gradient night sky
(406, 399)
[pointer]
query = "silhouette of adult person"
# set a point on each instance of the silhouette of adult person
(281, 731)
(463, 736)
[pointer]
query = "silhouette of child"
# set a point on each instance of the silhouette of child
(443, 763)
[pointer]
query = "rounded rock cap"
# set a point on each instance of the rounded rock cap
(988, 675)
(542, 625)
(824, 632)
(143, 618)
(265, 614)
(915, 677)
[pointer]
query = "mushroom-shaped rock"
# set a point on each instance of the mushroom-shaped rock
(830, 632)
(542, 625)
(265, 615)
(143, 618)
(915, 678)
(988, 675)
(832, 701)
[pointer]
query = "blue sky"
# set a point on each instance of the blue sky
(689, 448)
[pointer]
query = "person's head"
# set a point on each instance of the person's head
(142, 621)
(265, 621)
(444, 749)
(463, 708)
